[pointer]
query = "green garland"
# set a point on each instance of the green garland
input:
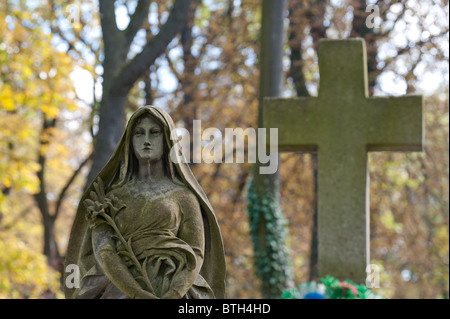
(330, 288)
(269, 232)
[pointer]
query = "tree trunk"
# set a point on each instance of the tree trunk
(299, 17)
(120, 74)
(50, 245)
(267, 222)
(314, 245)
(360, 29)
(111, 125)
(48, 221)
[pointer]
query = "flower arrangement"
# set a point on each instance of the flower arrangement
(330, 288)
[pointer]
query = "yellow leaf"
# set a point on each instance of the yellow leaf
(50, 111)
(8, 104)
(6, 98)
(7, 182)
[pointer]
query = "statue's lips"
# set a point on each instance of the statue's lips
(147, 149)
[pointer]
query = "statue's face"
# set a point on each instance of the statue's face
(148, 140)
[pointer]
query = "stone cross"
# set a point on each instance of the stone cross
(342, 124)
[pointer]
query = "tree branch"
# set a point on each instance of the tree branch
(16, 219)
(109, 26)
(172, 67)
(62, 194)
(410, 46)
(57, 30)
(296, 30)
(137, 20)
(154, 48)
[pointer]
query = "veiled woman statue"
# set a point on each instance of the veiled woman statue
(145, 228)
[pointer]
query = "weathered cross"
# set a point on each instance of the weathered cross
(342, 124)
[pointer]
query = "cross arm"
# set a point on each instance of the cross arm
(297, 120)
(396, 123)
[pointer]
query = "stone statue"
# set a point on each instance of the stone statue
(145, 228)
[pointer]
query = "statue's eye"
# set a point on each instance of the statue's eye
(138, 133)
(156, 132)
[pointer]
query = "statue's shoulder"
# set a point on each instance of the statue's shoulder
(183, 193)
(180, 189)
(120, 190)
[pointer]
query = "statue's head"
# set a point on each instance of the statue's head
(148, 140)
(148, 144)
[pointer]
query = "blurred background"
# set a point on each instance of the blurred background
(62, 68)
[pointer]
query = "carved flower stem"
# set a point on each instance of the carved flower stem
(129, 253)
